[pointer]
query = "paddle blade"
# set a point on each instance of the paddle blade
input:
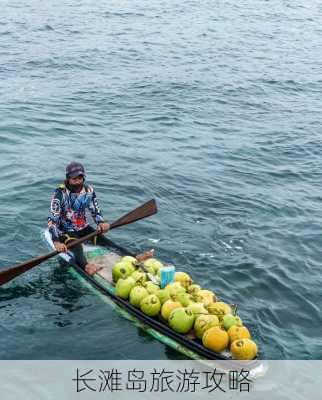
(146, 210)
(10, 273)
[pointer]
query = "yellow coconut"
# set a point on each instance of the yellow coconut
(183, 278)
(215, 339)
(238, 332)
(169, 306)
(205, 296)
(197, 308)
(243, 349)
(219, 308)
(193, 289)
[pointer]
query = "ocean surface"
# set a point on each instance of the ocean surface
(213, 108)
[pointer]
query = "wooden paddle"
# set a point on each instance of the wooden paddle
(145, 210)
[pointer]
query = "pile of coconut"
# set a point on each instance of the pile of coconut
(185, 307)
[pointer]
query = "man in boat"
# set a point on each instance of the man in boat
(67, 218)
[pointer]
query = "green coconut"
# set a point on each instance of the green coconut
(181, 320)
(151, 287)
(175, 288)
(129, 259)
(129, 262)
(139, 277)
(184, 298)
(204, 322)
(154, 264)
(230, 320)
(197, 308)
(124, 286)
(163, 295)
(149, 270)
(150, 305)
(120, 270)
(137, 294)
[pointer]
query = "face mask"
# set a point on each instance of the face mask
(75, 188)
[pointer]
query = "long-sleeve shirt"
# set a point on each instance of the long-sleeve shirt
(68, 210)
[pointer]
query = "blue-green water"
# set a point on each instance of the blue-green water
(214, 109)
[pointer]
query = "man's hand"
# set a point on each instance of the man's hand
(60, 247)
(103, 227)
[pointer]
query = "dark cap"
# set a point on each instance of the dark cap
(74, 169)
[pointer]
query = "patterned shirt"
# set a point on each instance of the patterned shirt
(68, 210)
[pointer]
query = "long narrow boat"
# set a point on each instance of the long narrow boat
(103, 284)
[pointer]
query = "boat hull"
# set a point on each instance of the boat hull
(102, 284)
